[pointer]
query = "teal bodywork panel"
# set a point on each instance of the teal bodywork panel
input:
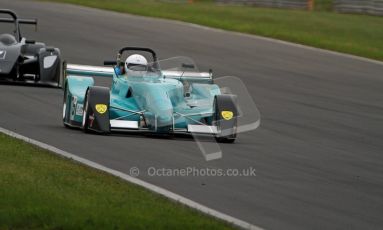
(155, 101)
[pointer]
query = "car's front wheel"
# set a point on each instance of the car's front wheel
(65, 112)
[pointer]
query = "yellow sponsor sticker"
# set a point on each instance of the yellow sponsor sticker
(101, 108)
(227, 115)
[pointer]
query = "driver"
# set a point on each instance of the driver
(135, 64)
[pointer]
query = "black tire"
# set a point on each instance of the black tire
(15, 74)
(226, 139)
(62, 76)
(65, 108)
(217, 122)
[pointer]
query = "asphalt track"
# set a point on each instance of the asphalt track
(318, 153)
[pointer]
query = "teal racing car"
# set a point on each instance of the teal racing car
(147, 95)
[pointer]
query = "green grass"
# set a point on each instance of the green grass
(39, 190)
(355, 34)
(323, 5)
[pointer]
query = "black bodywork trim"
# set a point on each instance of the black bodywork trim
(128, 48)
(99, 95)
(226, 102)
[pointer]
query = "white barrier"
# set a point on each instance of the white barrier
(294, 4)
(373, 7)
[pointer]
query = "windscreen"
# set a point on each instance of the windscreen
(171, 67)
(178, 64)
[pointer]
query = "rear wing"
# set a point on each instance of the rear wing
(100, 71)
(202, 77)
(87, 70)
(15, 19)
(20, 21)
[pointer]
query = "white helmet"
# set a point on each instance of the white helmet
(136, 62)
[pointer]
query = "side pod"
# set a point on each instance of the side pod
(50, 65)
(96, 110)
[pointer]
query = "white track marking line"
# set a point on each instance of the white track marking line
(151, 187)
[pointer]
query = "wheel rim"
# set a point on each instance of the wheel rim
(64, 110)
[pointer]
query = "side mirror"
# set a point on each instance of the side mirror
(188, 66)
(30, 41)
(110, 63)
(50, 49)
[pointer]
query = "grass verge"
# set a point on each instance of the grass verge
(360, 35)
(39, 190)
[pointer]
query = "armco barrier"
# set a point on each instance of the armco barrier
(373, 7)
(293, 4)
